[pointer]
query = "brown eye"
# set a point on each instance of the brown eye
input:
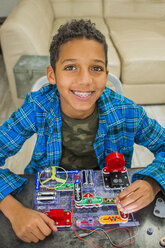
(70, 68)
(97, 68)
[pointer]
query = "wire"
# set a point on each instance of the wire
(136, 228)
(105, 231)
(83, 235)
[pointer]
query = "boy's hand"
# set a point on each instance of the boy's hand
(29, 225)
(138, 195)
(32, 226)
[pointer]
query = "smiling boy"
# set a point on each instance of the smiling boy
(78, 122)
(80, 76)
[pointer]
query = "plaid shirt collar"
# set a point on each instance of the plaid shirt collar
(108, 112)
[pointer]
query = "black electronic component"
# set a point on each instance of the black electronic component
(77, 190)
(85, 178)
(116, 180)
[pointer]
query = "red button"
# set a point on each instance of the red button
(115, 161)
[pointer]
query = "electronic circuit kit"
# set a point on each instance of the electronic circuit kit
(85, 199)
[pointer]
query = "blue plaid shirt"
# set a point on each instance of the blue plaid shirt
(121, 124)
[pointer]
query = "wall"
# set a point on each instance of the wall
(6, 7)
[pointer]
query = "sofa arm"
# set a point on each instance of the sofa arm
(27, 30)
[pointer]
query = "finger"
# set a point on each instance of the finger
(143, 200)
(135, 206)
(120, 202)
(48, 226)
(127, 191)
(30, 237)
(25, 239)
(51, 223)
(38, 233)
(119, 199)
(44, 228)
(131, 198)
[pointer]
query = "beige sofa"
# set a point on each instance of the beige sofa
(134, 29)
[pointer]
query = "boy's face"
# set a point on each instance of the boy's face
(80, 76)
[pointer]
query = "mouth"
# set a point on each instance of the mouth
(82, 94)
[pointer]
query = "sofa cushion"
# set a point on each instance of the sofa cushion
(145, 93)
(141, 47)
(79, 8)
(134, 8)
(113, 59)
(26, 31)
(33, 21)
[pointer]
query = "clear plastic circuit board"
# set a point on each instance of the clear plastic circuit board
(85, 199)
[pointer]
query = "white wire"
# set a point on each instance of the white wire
(83, 235)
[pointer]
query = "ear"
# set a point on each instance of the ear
(107, 74)
(50, 75)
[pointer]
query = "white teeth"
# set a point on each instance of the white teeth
(82, 94)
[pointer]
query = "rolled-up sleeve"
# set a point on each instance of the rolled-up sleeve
(13, 133)
(152, 135)
(10, 182)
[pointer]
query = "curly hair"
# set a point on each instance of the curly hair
(75, 29)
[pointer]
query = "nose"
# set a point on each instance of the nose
(85, 77)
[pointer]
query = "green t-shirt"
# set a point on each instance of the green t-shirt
(78, 137)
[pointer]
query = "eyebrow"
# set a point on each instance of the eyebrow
(99, 61)
(72, 60)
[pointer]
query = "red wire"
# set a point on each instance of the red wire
(84, 239)
(98, 231)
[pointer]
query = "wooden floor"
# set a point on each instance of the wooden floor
(17, 163)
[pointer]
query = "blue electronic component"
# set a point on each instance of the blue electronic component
(72, 172)
(37, 187)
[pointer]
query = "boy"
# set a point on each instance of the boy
(78, 123)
